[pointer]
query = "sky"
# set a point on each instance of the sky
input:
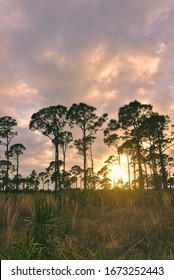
(105, 53)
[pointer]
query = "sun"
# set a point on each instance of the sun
(119, 172)
(115, 173)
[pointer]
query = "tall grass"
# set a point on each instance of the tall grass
(114, 224)
(11, 213)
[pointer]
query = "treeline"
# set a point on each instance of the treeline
(143, 136)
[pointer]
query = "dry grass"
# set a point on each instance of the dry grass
(98, 225)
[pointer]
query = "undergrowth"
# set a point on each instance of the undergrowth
(74, 224)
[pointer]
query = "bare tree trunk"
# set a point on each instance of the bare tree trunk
(163, 168)
(128, 171)
(134, 168)
(85, 159)
(141, 181)
(57, 169)
(7, 171)
(17, 172)
(146, 175)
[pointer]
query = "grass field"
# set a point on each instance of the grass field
(74, 224)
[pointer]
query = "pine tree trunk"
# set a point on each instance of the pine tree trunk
(141, 182)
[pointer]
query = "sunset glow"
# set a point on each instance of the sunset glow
(116, 174)
(87, 138)
(63, 52)
(119, 172)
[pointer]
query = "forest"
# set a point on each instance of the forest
(88, 214)
(142, 137)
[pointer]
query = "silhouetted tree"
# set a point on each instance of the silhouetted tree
(42, 176)
(14, 152)
(65, 139)
(76, 170)
(79, 144)
(131, 118)
(3, 173)
(50, 122)
(85, 118)
(105, 181)
(7, 133)
(155, 134)
(128, 148)
(111, 138)
(51, 171)
(111, 162)
(34, 180)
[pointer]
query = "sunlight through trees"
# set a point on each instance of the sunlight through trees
(140, 140)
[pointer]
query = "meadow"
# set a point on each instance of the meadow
(75, 224)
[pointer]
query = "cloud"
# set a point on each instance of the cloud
(104, 53)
